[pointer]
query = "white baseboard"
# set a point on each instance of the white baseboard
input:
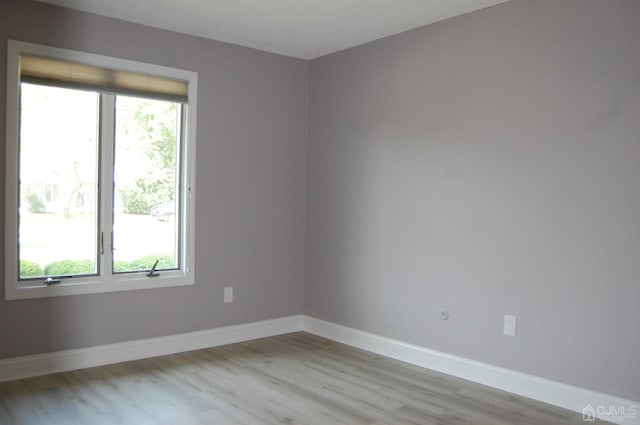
(545, 390)
(555, 393)
(60, 361)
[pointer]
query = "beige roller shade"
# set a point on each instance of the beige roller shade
(41, 70)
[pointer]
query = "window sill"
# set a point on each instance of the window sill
(96, 286)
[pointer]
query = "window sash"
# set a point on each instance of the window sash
(106, 160)
(106, 202)
(95, 176)
(178, 187)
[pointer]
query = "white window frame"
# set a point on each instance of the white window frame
(106, 281)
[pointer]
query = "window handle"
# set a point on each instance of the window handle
(153, 272)
(51, 281)
(101, 243)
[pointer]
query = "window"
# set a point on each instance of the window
(100, 173)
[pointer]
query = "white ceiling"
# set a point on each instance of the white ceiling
(300, 28)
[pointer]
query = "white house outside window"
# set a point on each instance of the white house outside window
(100, 173)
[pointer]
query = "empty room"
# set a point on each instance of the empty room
(320, 212)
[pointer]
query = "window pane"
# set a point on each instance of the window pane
(146, 214)
(58, 182)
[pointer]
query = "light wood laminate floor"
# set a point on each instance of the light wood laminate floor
(289, 379)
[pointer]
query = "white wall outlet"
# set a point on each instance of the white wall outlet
(228, 294)
(509, 325)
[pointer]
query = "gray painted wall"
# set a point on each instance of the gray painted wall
(488, 164)
(252, 130)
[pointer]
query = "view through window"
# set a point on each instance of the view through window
(58, 219)
(146, 184)
(60, 161)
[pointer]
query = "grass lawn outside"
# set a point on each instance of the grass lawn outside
(47, 238)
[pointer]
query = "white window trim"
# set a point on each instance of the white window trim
(106, 282)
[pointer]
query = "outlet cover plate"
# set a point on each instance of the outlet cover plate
(509, 325)
(228, 294)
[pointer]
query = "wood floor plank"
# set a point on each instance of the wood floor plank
(297, 379)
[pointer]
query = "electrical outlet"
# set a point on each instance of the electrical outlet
(228, 294)
(509, 325)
